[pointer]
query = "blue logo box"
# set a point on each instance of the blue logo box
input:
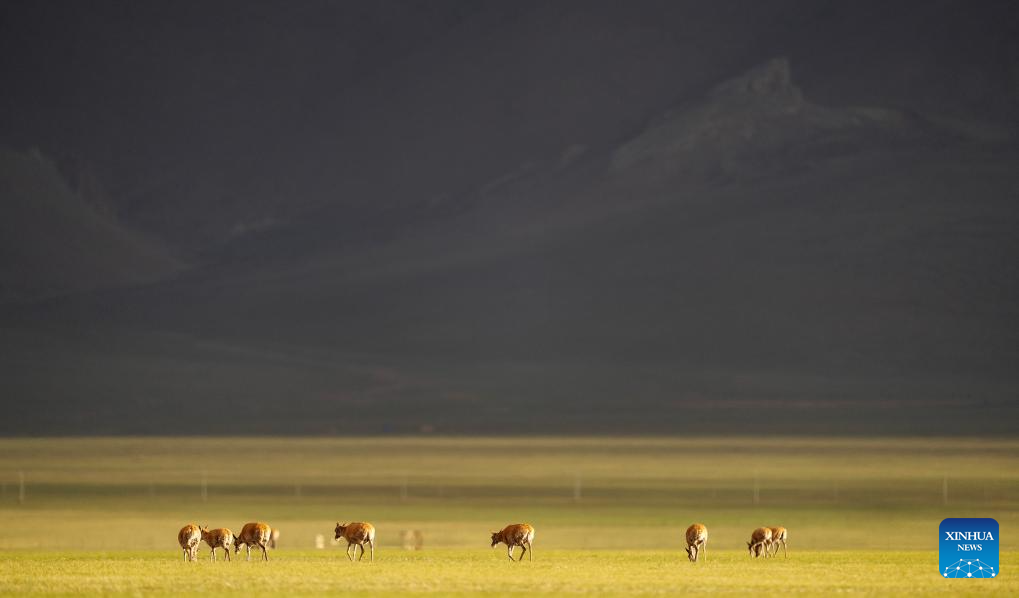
(968, 548)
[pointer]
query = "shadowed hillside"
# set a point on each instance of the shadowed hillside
(679, 219)
(52, 242)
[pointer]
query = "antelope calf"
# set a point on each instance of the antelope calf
(518, 534)
(696, 542)
(357, 534)
(254, 534)
(218, 538)
(189, 537)
(759, 541)
(273, 538)
(778, 536)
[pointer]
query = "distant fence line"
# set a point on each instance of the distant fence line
(573, 487)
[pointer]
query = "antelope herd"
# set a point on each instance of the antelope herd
(763, 540)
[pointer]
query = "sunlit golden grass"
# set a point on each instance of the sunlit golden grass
(856, 510)
(483, 571)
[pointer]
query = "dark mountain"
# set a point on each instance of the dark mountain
(54, 241)
(650, 217)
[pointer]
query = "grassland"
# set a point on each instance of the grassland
(101, 515)
(479, 571)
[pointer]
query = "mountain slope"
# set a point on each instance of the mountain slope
(705, 285)
(53, 243)
(533, 217)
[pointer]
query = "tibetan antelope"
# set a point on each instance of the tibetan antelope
(218, 538)
(759, 541)
(778, 536)
(253, 534)
(274, 537)
(189, 537)
(518, 534)
(696, 542)
(357, 534)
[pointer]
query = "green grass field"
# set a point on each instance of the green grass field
(101, 515)
(479, 571)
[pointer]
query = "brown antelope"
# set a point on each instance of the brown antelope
(357, 534)
(696, 542)
(218, 538)
(253, 534)
(189, 537)
(759, 541)
(274, 537)
(518, 534)
(778, 536)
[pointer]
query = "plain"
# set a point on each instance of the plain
(101, 515)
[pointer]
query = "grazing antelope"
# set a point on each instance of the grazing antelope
(357, 534)
(253, 534)
(778, 536)
(218, 538)
(696, 542)
(759, 541)
(518, 534)
(189, 537)
(274, 537)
